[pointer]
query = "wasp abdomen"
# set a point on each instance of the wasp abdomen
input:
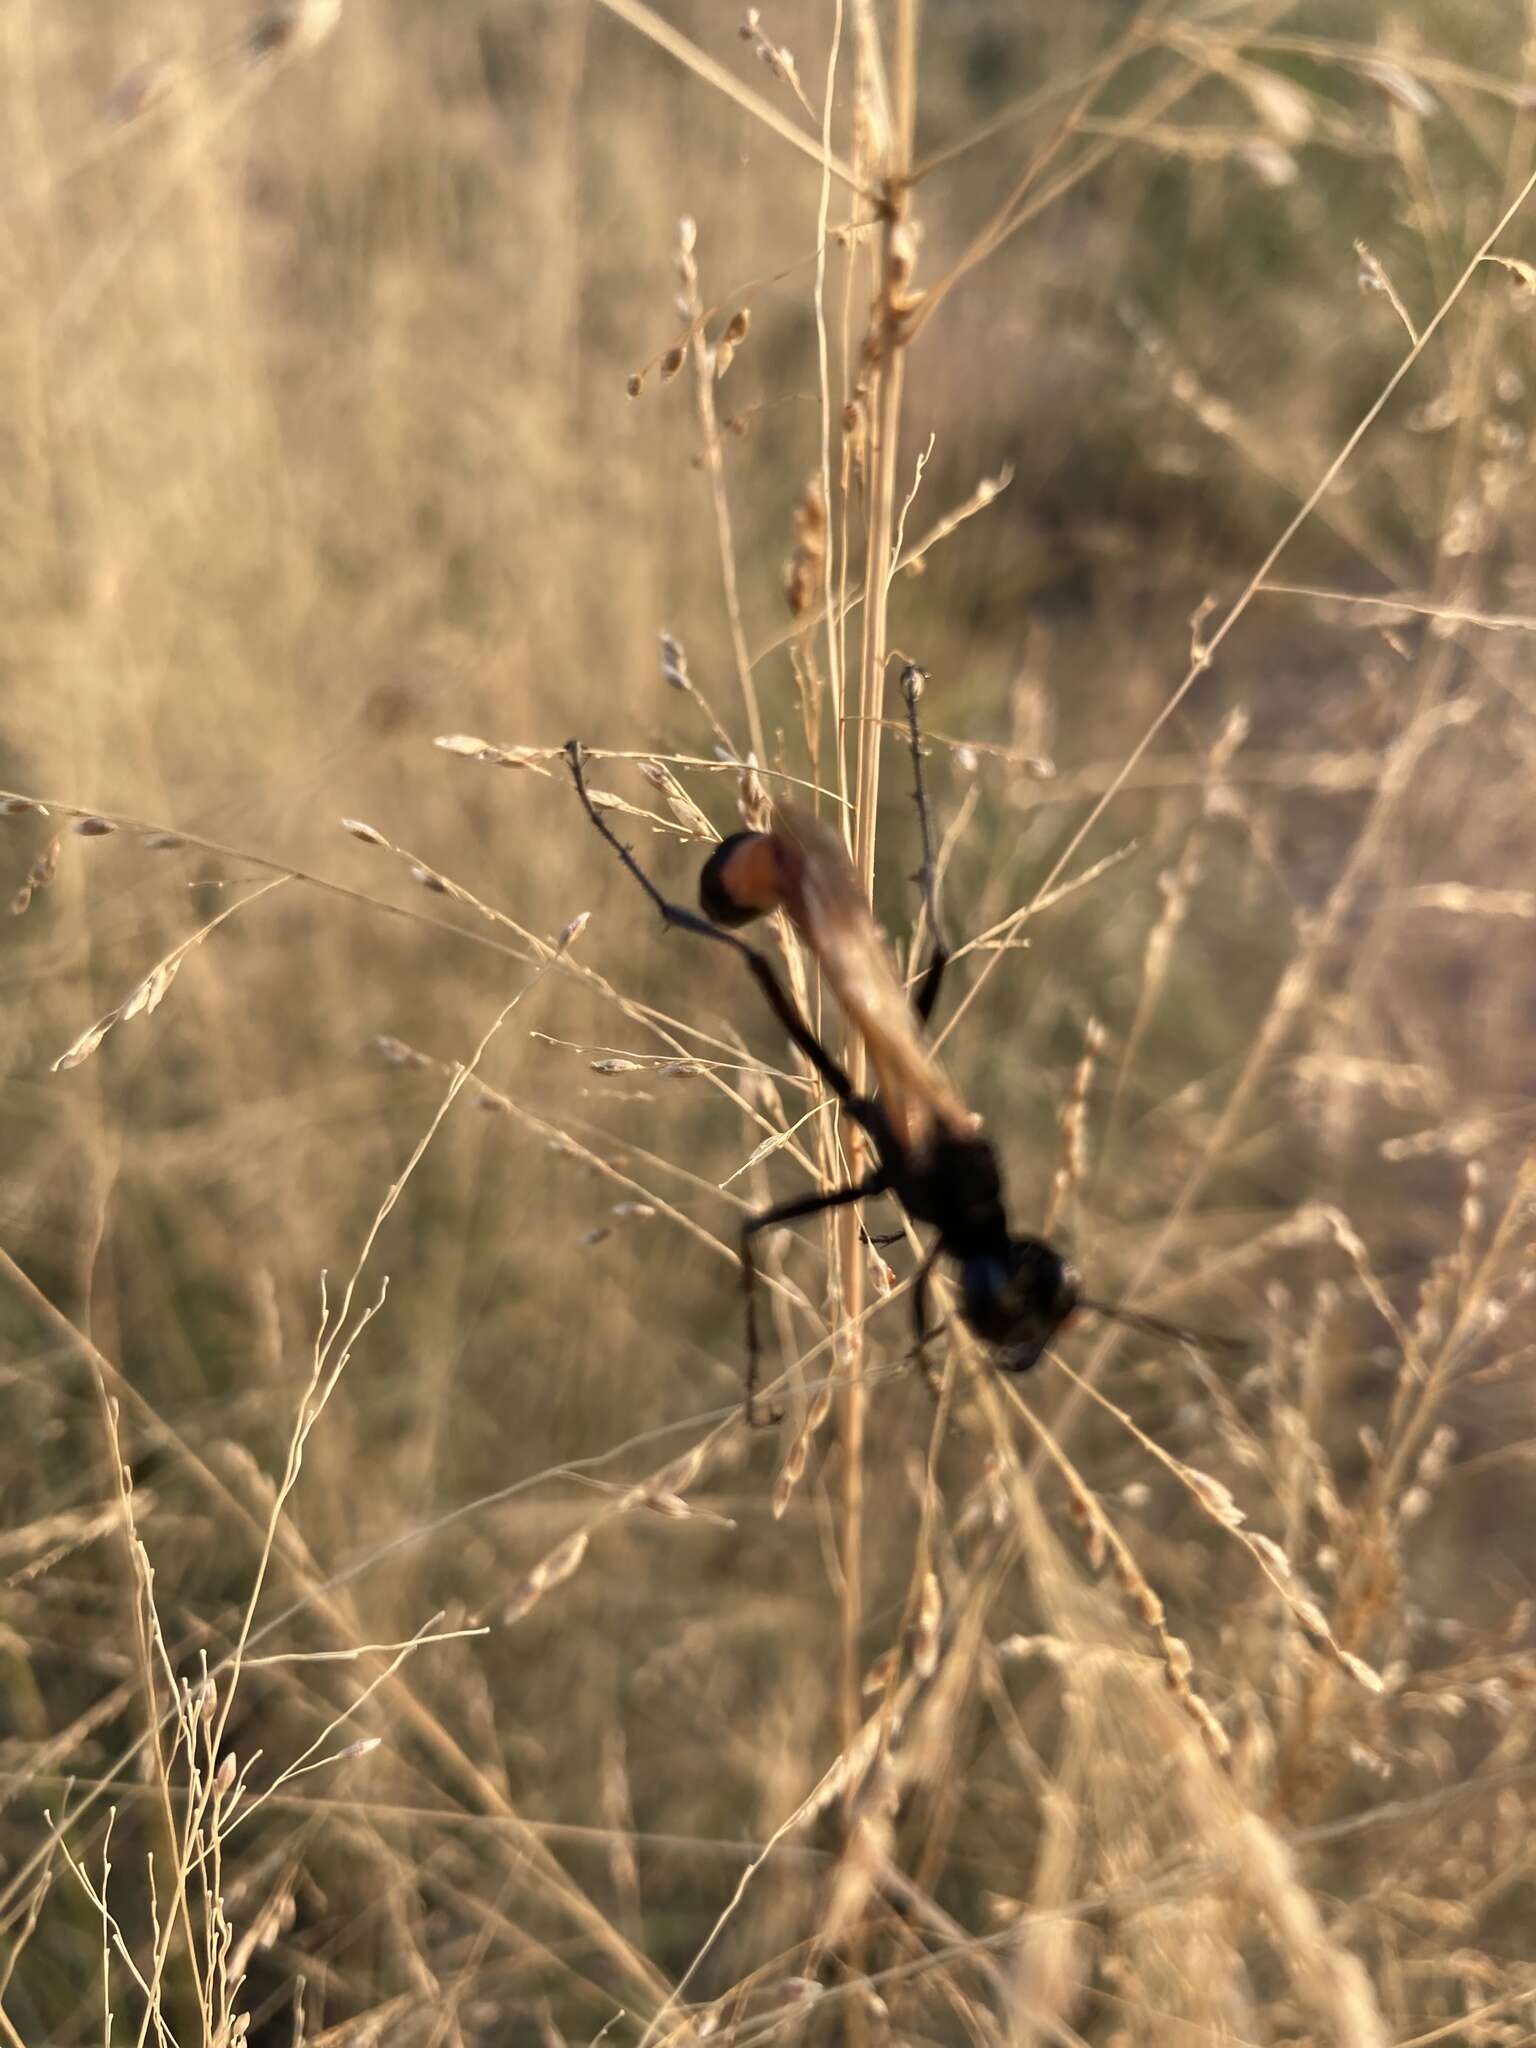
(745, 877)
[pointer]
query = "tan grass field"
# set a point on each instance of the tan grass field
(402, 1637)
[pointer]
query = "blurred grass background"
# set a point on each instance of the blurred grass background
(319, 447)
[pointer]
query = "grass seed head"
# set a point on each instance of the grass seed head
(39, 875)
(674, 663)
(1400, 87)
(805, 571)
(292, 27)
(146, 86)
(926, 1630)
(560, 1564)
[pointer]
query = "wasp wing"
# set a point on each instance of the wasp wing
(828, 905)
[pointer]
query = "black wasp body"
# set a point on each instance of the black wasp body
(929, 1149)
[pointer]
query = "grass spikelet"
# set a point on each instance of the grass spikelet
(775, 57)
(674, 671)
(866, 1850)
(1417, 1497)
(792, 1471)
(674, 664)
(752, 799)
(562, 1563)
(1214, 1501)
(925, 1633)
(1326, 1975)
(690, 818)
(291, 29)
(1106, 1546)
(146, 996)
(725, 348)
(1398, 84)
(1282, 106)
(139, 91)
(667, 1487)
(1473, 1217)
(399, 1054)
(39, 875)
(470, 748)
(1215, 1498)
(1073, 1165)
(805, 571)
(1350, 1242)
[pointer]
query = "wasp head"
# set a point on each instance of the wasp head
(1017, 1298)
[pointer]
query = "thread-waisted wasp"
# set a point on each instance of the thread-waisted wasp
(930, 1152)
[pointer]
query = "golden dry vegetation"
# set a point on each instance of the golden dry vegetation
(402, 1639)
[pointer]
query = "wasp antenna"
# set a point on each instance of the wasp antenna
(1155, 1326)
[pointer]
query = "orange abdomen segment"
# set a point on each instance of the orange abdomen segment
(745, 877)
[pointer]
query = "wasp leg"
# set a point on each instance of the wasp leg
(880, 1239)
(758, 964)
(786, 1212)
(912, 680)
(921, 1334)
